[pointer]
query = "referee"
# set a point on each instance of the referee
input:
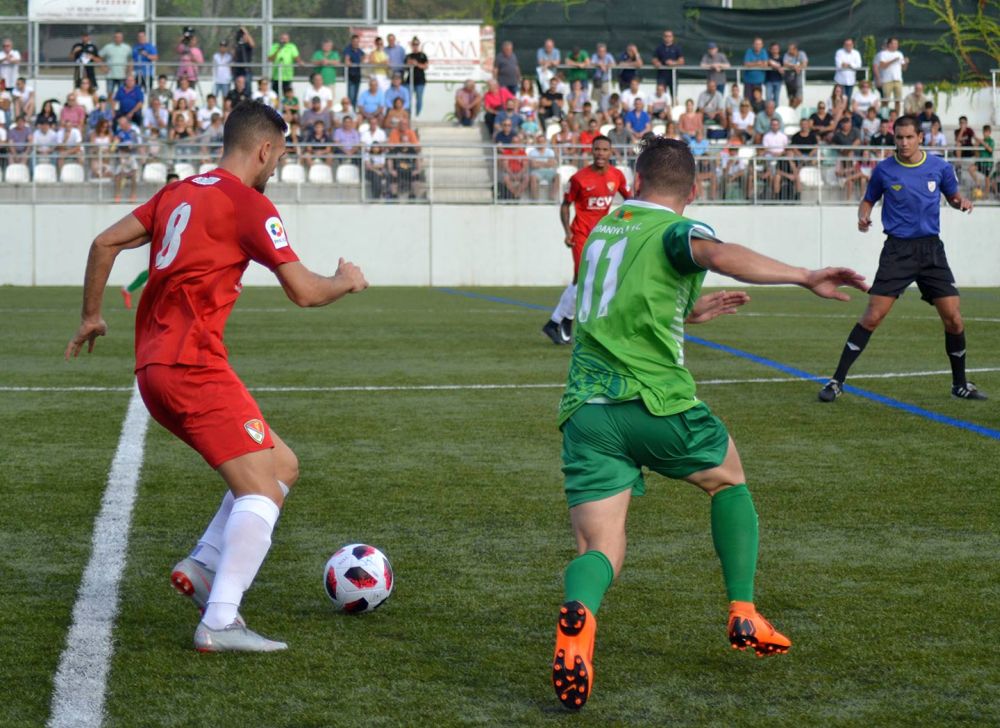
(909, 184)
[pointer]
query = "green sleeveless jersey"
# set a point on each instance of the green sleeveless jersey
(637, 283)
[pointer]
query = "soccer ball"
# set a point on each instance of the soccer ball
(358, 578)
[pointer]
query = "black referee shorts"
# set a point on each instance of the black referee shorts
(914, 260)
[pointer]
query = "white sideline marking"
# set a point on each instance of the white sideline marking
(473, 387)
(80, 681)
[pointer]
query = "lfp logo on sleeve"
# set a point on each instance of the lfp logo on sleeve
(276, 231)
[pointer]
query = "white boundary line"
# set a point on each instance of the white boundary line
(494, 310)
(475, 387)
(81, 679)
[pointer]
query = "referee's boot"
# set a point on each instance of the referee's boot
(831, 391)
(967, 391)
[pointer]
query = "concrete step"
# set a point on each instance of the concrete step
(464, 196)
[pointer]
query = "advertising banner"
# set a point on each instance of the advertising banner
(454, 52)
(67, 11)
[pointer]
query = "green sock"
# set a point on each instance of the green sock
(588, 576)
(734, 532)
(139, 282)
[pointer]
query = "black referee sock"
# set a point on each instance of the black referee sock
(954, 344)
(856, 343)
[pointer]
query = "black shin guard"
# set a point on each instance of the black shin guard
(954, 344)
(856, 343)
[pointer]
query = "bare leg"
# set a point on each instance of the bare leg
(600, 526)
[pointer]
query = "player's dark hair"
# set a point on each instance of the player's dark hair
(599, 138)
(249, 123)
(666, 166)
(906, 120)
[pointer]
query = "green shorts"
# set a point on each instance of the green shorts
(605, 447)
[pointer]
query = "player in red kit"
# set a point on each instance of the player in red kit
(204, 231)
(591, 192)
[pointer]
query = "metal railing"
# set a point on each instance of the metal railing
(690, 71)
(323, 172)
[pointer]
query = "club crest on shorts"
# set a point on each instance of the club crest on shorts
(255, 428)
(276, 231)
(931, 185)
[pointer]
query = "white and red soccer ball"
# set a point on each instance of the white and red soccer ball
(358, 578)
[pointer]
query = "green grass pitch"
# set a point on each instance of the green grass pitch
(879, 528)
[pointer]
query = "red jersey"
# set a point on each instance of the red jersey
(592, 193)
(204, 232)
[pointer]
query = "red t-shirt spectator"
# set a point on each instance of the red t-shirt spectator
(495, 101)
(74, 114)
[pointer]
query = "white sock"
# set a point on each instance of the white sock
(246, 540)
(567, 305)
(209, 546)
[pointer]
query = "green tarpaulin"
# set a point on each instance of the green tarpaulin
(819, 28)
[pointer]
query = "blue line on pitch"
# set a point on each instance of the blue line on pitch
(494, 299)
(881, 399)
(785, 368)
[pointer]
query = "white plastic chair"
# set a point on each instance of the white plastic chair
(206, 167)
(605, 128)
(564, 172)
(155, 173)
(659, 129)
(72, 172)
(293, 173)
(320, 174)
(45, 174)
(18, 174)
(791, 129)
(551, 128)
(184, 170)
(810, 177)
(747, 153)
(347, 174)
(629, 174)
(676, 111)
(788, 114)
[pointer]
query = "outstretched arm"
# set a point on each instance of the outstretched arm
(307, 289)
(743, 264)
(125, 234)
(712, 305)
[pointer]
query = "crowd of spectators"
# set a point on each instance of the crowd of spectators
(137, 116)
(119, 113)
(759, 129)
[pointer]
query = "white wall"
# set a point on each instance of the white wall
(466, 245)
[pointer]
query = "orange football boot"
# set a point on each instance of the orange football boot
(572, 665)
(748, 628)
